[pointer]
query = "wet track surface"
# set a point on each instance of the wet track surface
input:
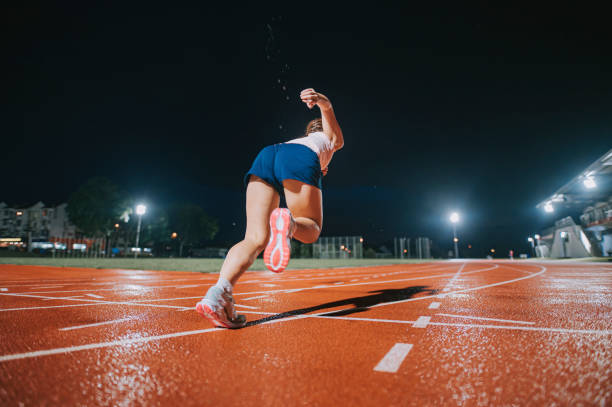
(451, 333)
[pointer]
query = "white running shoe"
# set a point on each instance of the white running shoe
(218, 306)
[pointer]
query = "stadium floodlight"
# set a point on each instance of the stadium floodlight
(454, 218)
(589, 183)
(140, 210)
(548, 207)
(530, 239)
(537, 237)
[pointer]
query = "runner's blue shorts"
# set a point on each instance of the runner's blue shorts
(279, 162)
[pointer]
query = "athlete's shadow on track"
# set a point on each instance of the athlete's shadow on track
(360, 303)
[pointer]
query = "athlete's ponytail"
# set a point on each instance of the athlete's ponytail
(313, 126)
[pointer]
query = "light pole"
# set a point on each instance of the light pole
(140, 210)
(454, 218)
(531, 241)
(537, 241)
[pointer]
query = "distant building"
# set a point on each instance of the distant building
(35, 223)
(590, 192)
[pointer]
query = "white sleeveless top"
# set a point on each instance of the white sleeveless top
(320, 144)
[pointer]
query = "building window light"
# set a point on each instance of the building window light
(589, 183)
(548, 207)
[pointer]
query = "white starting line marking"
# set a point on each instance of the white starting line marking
(96, 324)
(434, 305)
(394, 358)
(94, 295)
(421, 322)
(487, 319)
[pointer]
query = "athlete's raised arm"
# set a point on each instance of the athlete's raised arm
(330, 125)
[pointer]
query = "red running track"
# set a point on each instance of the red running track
(445, 333)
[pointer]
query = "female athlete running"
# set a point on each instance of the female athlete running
(293, 169)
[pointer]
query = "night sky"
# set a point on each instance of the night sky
(482, 111)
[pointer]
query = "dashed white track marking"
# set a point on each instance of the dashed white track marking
(3, 289)
(422, 322)
(394, 358)
(96, 324)
(488, 319)
(434, 305)
(94, 296)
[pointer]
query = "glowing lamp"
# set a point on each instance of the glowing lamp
(141, 209)
(548, 207)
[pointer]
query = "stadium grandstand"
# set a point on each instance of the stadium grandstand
(590, 194)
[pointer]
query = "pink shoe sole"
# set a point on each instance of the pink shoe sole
(208, 313)
(278, 251)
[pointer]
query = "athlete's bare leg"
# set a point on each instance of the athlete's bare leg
(261, 200)
(306, 205)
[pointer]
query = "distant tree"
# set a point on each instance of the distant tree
(95, 207)
(156, 230)
(191, 224)
(369, 253)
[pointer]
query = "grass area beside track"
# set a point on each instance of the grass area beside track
(199, 265)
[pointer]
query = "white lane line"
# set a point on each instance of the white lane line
(482, 287)
(434, 305)
(96, 324)
(62, 298)
(98, 301)
(477, 326)
(69, 349)
(488, 319)
(51, 306)
(115, 281)
(452, 280)
(255, 298)
(495, 266)
(338, 283)
(422, 322)
(94, 295)
(394, 358)
(47, 286)
(246, 306)
(121, 287)
(122, 342)
(3, 289)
